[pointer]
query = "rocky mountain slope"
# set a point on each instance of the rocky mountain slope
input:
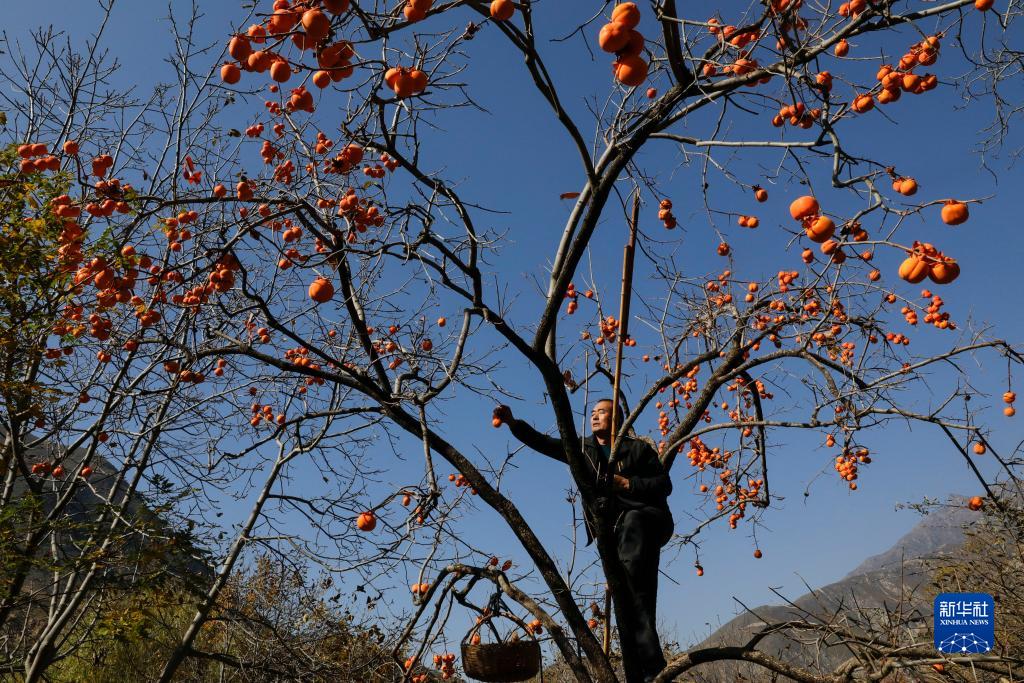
(894, 580)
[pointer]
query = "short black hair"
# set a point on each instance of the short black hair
(620, 413)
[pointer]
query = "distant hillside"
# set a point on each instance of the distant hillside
(934, 534)
(864, 596)
(146, 535)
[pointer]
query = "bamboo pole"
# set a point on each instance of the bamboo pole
(624, 299)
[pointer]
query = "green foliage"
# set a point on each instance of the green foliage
(32, 278)
(131, 638)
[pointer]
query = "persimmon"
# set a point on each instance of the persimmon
(652, 93)
(907, 187)
(630, 70)
(230, 74)
(829, 247)
(841, 49)
(239, 47)
(760, 194)
(335, 54)
(259, 61)
(301, 100)
(910, 81)
(979, 448)
(627, 14)
(889, 95)
(316, 24)
(418, 79)
(1009, 411)
(336, 6)
(391, 77)
(321, 79)
(404, 82)
(496, 422)
(321, 290)
(244, 191)
(257, 33)
(280, 71)
(983, 5)
(634, 45)
(954, 212)
(944, 271)
(502, 10)
(975, 503)
(863, 103)
(282, 20)
(819, 229)
(220, 191)
(414, 14)
(441, 322)
(426, 345)
(742, 66)
(804, 207)
(613, 37)
(758, 554)
(366, 521)
(85, 472)
(71, 148)
(914, 269)
(1009, 397)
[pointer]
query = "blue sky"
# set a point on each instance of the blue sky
(515, 160)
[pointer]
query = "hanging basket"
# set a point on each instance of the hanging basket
(500, 662)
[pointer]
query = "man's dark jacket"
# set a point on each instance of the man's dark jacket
(649, 483)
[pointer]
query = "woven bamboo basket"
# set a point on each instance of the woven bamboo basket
(504, 662)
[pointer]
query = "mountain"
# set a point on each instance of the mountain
(937, 533)
(146, 542)
(896, 579)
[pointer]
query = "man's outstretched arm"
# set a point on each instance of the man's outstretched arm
(542, 443)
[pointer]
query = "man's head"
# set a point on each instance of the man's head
(601, 418)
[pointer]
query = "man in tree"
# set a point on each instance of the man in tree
(639, 506)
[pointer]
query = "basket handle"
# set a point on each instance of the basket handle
(489, 617)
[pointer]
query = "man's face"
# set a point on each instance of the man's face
(601, 418)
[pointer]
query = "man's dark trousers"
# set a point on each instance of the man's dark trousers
(640, 535)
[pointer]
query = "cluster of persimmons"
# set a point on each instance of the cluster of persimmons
(311, 26)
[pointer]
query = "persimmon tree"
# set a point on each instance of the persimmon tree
(267, 268)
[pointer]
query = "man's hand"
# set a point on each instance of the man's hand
(502, 414)
(620, 483)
